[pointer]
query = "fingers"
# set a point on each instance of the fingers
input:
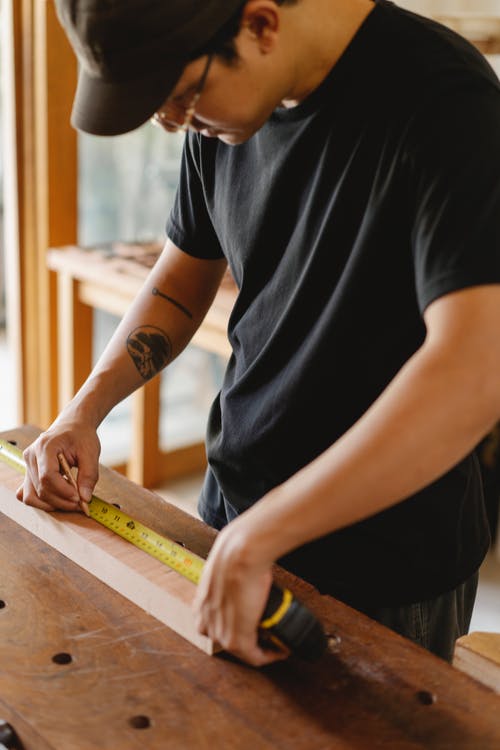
(46, 501)
(229, 603)
(258, 657)
(45, 486)
(48, 494)
(31, 498)
(240, 641)
(87, 479)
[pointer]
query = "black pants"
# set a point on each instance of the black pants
(436, 623)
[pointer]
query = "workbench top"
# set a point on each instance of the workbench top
(82, 668)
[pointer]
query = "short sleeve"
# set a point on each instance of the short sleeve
(189, 225)
(454, 192)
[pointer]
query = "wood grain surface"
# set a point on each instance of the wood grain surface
(82, 668)
(478, 654)
(144, 580)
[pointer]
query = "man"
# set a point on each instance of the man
(344, 159)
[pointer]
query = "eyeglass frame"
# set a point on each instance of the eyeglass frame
(159, 117)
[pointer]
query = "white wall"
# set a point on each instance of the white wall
(429, 7)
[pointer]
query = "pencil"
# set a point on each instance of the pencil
(71, 479)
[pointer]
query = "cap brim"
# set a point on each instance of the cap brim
(104, 108)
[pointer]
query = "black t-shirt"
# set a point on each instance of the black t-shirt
(341, 220)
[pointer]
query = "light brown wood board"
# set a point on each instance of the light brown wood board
(478, 654)
(145, 581)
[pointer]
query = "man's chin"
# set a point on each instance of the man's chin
(230, 138)
(233, 139)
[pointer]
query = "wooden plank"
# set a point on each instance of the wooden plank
(182, 461)
(372, 689)
(106, 272)
(100, 270)
(10, 62)
(57, 183)
(482, 29)
(75, 336)
(23, 31)
(116, 303)
(478, 654)
(45, 69)
(144, 462)
(212, 339)
(158, 590)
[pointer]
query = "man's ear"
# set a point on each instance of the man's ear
(261, 18)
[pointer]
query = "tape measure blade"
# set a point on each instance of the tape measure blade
(285, 620)
(12, 456)
(168, 552)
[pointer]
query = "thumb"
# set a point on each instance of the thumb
(85, 491)
(87, 478)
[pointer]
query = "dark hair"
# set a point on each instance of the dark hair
(222, 43)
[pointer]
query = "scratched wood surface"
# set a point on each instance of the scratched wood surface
(82, 668)
(148, 583)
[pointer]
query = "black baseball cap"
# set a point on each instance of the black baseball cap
(132, 53)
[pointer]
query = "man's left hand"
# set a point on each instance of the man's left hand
(231, 597)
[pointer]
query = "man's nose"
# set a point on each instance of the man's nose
(170, 119)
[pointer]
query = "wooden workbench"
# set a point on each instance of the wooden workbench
(82, 668)
(108, 278)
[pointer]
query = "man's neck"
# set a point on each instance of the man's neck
(325, 28)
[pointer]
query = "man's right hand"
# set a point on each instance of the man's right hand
(44, 486)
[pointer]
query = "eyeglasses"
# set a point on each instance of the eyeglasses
(165, 120)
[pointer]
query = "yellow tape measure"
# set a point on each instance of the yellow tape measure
(170, 553)
(163, 549)
(285, 620)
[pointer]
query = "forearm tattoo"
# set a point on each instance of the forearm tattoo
(156, 293)
(150, 349)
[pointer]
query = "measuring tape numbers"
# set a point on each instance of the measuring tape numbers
(285, 621)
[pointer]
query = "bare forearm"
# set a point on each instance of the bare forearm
(434, 412)
(155, 330)
(136, 353)
(402, 444)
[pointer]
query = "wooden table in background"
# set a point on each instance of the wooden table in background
(108, 278)
(81, 668)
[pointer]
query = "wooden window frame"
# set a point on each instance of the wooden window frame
(42, 173)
